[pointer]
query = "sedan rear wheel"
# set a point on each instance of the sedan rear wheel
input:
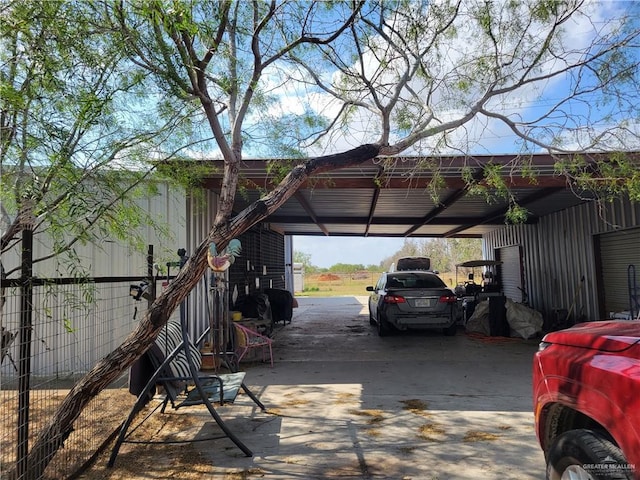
(451, 330)
(383, 326)
(586, 455)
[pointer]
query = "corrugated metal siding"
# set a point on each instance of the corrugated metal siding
(510, 272)
(262, 264)
(93, 330)
(617, 251)
(559, 250)
(389, 199)
(525, 236)
(112, 258)
(201, 211)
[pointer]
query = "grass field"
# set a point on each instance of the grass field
(337, 284)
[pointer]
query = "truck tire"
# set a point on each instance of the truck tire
(586, 455)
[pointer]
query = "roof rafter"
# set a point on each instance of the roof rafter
(376, 221)
(446, 203)
(307, 208)
(501, 213)
(390, 197)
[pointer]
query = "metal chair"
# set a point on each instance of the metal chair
(247, 339)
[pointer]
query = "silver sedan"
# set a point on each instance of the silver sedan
(412, 300)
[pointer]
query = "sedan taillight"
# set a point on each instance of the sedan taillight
(394, 299)
(448, 299)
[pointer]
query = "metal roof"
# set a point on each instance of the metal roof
(394, 198)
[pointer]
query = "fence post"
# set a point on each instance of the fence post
(25, 336)
(152, 276)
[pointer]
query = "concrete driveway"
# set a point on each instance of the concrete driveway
(345, 403)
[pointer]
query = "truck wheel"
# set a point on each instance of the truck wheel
(586, 455)
(383, 326)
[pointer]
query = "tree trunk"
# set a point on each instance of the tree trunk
(107, 370)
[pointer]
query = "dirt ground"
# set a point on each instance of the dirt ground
(345, 403)
(156, 461)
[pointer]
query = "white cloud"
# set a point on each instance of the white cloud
(481, 135)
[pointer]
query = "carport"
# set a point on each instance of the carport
(567, 235)
(381, 198)
(347, 403)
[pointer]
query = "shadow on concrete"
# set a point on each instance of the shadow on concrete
(345, 403)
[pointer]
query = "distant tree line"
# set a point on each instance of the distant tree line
(444, 253)
(305, 259)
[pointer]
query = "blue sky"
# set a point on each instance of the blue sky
(327, 251)
(489, 136)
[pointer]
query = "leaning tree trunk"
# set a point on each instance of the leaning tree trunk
(52, 437)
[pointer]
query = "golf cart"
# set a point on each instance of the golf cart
(470, 292)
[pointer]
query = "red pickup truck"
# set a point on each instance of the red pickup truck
(586, 395)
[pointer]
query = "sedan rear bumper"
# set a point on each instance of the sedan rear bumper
(404, 322)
